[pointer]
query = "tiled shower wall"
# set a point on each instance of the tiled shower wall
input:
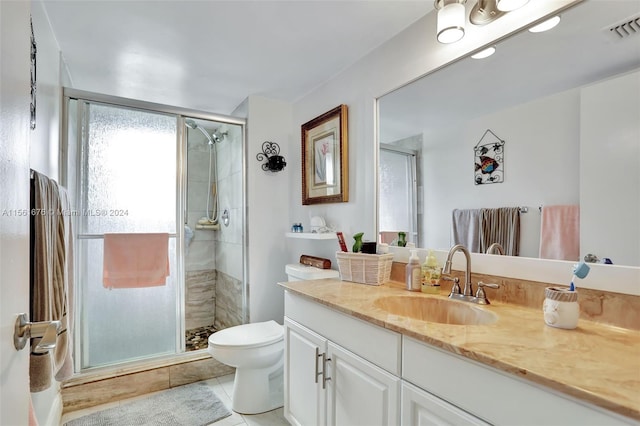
(213, 260)
(229, 240)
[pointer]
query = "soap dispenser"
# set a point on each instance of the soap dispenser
(431, 275)
(413, 272)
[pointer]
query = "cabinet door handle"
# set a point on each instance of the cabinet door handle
(324, 370)
(318, 356)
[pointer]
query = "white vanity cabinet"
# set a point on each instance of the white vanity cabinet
(497, 397)
(420, 408)
(328, 383)
(359, 393)
(304, 399)
(378, 377)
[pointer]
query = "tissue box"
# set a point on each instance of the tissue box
(371, 269)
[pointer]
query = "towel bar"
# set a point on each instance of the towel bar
(25, 330)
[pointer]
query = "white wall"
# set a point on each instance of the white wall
(611, 117)
(539, 153)
(268, 208)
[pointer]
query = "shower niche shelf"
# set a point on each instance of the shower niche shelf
(312, 235)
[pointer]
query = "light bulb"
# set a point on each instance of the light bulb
(546, 25)
(484, 53)
(450, 27)
(509, 5)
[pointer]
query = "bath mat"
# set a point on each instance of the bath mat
(188, 405)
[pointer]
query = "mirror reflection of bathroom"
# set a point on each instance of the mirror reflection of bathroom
(213, 251)
(563, 114)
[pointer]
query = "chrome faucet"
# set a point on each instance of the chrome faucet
(467, 293)
(495, 247)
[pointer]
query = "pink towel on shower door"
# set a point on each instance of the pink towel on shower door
(560, 232)
(135, 260)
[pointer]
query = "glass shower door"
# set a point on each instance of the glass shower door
(128, 184)
(397, 176)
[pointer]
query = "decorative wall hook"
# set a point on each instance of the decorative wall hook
(271, 152)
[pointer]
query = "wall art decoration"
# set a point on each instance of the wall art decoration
(489, 160)
(325, 177)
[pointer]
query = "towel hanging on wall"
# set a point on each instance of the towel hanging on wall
(51, 278)
(465, 229)
(560, 232)
(501, 225)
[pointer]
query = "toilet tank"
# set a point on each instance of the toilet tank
(300, 272)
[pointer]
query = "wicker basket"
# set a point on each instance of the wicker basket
(372, 269)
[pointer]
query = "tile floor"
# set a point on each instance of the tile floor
(223, 387)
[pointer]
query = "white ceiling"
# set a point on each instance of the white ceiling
(210, 55)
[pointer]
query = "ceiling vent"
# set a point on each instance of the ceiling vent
(625, 29)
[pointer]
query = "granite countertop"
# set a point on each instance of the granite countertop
(594, 362)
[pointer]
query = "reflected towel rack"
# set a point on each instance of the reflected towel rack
(525, 209)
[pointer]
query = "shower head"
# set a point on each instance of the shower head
(193, 125)
(217, 135)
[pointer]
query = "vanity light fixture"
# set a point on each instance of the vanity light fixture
(484, 12)
(509, 5)
(546, 25)
(451, 15)
(451, 20)
(484, 53)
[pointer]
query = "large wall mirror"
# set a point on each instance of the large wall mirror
(567, 104)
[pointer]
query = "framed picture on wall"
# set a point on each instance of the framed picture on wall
(325, 177)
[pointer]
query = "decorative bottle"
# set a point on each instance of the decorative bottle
(412, 272)
(431, 275)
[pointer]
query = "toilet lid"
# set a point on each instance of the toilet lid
(248, 335)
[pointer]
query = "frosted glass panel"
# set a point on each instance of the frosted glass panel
(396, 190)
(130, 171)
(125, 324)
(129, 184)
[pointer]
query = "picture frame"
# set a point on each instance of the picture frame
(325, 162)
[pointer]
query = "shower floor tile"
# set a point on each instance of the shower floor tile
(197, 338)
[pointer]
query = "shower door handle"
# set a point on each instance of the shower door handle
(25, 330)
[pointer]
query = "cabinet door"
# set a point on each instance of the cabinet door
(420, 408)
(304, 398)
(360, 393)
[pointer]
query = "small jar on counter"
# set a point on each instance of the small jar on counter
(560, 308)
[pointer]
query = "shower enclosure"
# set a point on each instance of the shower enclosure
(139, 168)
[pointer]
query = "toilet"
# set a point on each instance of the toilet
(256, 350)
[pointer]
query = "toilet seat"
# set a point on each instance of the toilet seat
(246, 336)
